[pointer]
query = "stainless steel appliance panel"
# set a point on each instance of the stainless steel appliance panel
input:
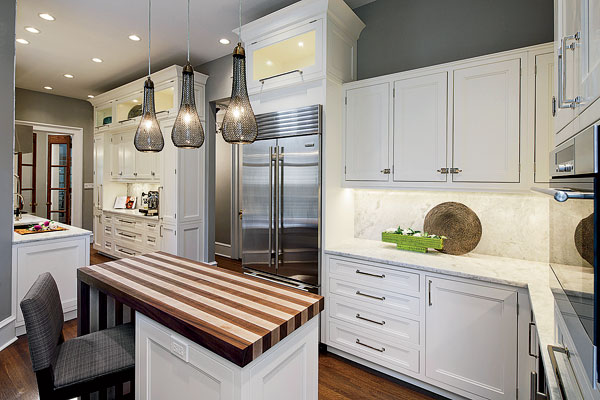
(298, 164)
(258, 224)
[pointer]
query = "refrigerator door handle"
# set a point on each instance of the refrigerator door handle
(280, 232)
(270, 206)
(276, 184)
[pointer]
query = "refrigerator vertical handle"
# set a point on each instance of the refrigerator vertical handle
(280, 201)
(276, 184)
(270, 205)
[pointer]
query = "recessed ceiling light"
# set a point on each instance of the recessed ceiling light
(68, 76)
(32, 29)
(47, 17)
(269, 62)
(224, 41)
(135, 38)
(90, 96)
(97, 60)
(22, 41)
(48, 87)
(300, 44)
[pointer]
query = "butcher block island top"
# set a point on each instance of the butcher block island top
(236, 316)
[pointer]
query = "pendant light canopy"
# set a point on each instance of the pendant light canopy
(148, 137)
(239, 124)
(187, 131)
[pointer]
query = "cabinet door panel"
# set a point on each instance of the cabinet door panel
(487, 122)
(420, 115)
(169, 187)
(168, 239)
(127, 155)
(471, 338)
(367, 133)
(544, 129)
(590, 51)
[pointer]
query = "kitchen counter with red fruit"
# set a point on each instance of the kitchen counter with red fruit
(39, 228)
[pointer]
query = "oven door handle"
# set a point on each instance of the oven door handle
(563, 370)
(564, 194)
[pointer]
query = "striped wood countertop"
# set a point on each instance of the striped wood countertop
(236, 316)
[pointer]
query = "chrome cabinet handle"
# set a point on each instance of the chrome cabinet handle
(562, 73)
(135, 174)
(455, 170)
(443, 170)
(126, 252)
(358, 271)
(430, 302)
(299, 71)
(126, 222)
(126, 235)
(369, 320)
(531, 324)
(120, 172)
(381, 350)
(358, 292)
(160, 231)
(385, 171)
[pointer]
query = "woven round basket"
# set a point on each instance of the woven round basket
(458, 223)
(584, 238)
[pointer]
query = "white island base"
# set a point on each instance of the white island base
(170, 366)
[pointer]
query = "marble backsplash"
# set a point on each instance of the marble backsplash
(136, 189)
(514, 225)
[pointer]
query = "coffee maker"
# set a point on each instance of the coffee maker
(150, 203)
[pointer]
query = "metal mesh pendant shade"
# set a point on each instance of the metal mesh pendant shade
(187, 131)
(239, 124)
(148, 137)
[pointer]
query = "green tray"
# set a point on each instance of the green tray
(412, 243)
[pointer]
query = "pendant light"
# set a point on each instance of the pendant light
(148, 137)
(187, 131)
(239, 124)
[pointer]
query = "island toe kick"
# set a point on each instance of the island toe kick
(169, 366)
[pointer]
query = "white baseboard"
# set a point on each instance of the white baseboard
(7, 332)
(223, 249)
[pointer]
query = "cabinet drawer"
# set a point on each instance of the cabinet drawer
(108, 246)
(374, 347)
(108, 230)
(376, 318)
(151, 227)
(107, 218)
(392, 300)
(125, 251)
(374, 276)
(126, 222)
(151, 242)
(128, 235)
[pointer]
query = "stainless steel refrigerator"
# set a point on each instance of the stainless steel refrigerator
(281, 178)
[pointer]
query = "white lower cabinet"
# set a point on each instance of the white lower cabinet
(471, 337)
(170, 366)
(453, 336)
(168, 235)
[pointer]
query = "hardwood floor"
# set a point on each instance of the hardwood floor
(338, 378)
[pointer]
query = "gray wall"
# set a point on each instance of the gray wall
(406, 34)
(218, 87)
(7, 119)
(222, 186)
(58, 110)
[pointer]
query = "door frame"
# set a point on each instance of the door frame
(76, 134)
(58, 139)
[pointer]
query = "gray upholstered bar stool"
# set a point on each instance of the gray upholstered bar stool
(80, 366)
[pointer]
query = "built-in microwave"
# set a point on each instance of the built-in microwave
(573, 244)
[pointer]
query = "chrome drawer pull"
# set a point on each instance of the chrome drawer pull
(381, 350)
(358, 292)
(126, 252)
(369, 320)
(126, 235)
(126, 222)
(358, 271)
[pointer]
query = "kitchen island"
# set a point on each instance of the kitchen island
(205, 332)
(59, 252)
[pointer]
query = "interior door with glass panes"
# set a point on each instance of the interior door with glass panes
(26, 170)
(58, 185)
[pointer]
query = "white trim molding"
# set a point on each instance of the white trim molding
(7, 332)
(77, 162)
(223, 249)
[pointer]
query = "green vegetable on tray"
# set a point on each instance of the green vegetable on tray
(412, 240)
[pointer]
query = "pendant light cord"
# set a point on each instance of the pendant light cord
(240, 31)
(149, 32)
(188, 31)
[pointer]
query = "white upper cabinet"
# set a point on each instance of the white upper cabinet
(367, 126)
(146, 166)
(286, 57)
(127, 155)
(590, 52)
(487, 122)
(544, 128)
(420, 120)
(471, 337)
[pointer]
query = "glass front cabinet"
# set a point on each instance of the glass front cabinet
(286, 57)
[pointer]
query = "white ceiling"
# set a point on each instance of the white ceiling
(84, 29)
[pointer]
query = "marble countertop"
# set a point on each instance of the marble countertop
(534, 276)
(72, 231)
(130, 213)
